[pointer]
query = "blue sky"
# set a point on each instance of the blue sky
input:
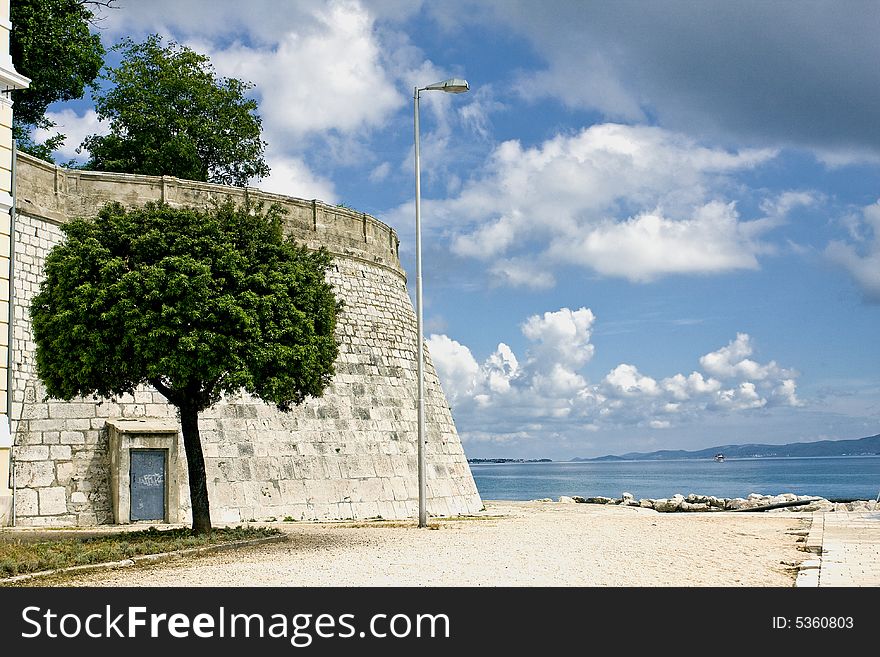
(647, 226)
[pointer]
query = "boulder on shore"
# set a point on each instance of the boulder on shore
(598, 500)
(716, 502)
(695, 502)
(696, 506)
(564, 499)
(664, 505)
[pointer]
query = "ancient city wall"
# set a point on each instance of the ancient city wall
(348, 454)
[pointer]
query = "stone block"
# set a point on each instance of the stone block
(26, 502)
(72, 437)
(34, 474)
(66, 520)
(143, 396)
(63, 472)
(32, 453)
(107, 409)
(50, 437)
(293, 491)
(134, 410)
(368, 490)
(72, 425)
(88, 518)
(53, 501)
(71, 410)
(59, 452)
(383, 466)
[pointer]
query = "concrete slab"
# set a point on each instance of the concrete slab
(850, 548)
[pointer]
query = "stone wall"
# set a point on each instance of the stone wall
(348, 454)
(10, 79)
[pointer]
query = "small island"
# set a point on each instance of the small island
(510, 460)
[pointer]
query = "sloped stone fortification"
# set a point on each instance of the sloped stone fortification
(348, 454)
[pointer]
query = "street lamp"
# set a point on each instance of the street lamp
(452, 86)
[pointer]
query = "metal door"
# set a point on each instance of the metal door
(148, 484)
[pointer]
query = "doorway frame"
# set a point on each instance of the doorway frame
(147, 434)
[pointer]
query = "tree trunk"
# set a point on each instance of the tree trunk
(195, 463)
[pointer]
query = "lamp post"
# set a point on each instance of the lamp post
(452, 86)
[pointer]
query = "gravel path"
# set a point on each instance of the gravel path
(516, 544)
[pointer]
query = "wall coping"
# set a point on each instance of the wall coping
(58, 194)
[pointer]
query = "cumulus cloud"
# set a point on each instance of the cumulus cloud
(548, 390)
(733, 361)
(456, 367)
(861, 256)
(292, 177)
(561, 337)
(631, 201)
(650, 244)
(333, 74)
(626, 381)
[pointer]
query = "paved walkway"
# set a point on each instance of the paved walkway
(847, 545)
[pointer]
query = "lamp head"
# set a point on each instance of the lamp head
(450, 86)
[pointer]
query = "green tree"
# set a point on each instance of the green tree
(50, 43)
(170, 115)
(195, 303)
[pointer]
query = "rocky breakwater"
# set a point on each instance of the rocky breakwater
(755, 501)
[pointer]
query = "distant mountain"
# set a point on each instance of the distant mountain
(869, 446)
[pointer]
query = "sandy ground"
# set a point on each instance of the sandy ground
(516, 544)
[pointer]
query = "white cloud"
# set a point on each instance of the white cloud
(861, 257)
(786, 393)
(630, 201)
(780, 206)
(520, 272)
(844, 157)
(475, 113)
(561, 337)
(500, 368)
(682, 388)
(626, 381)
(292, 177)
(650, 245)
(742, 397)
(456, 366)
(75, 128)
(733, 361)
(380, 172)
(548, 391)
(329, 76)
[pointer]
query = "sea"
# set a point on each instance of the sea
(834, 478)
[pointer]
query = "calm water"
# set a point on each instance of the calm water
(846, 477)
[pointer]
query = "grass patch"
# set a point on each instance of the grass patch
(19, 557)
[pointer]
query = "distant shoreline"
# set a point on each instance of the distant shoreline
(667, 460)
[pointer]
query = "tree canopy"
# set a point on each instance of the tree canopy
(195, 303)
(52, 44)
(171, 115)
